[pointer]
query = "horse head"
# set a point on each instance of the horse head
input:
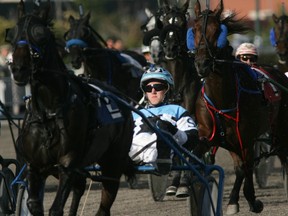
(208, 37)
(29, 39)
(205, 33)
(174, 21)
(151, 38)
(279, 37)
(80, 36)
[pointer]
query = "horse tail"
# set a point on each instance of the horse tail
(129, 170)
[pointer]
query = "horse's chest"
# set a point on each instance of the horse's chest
(40, 141)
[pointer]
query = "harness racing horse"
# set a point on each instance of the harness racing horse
(279, 40)
(171, 27)
(174, 21)
(63, 130)
(230, 109)
(151, 36)
(122, 70)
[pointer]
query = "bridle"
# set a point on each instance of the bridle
(206, 45)
(82, 42)
(173, 29)
(29, 38)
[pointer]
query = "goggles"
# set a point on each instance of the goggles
(157, 87)
(251, 58)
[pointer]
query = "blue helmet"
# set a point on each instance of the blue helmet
(157, 73)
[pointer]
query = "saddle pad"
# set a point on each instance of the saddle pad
(107, 110)
(271, 92)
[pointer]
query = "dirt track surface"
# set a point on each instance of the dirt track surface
(138, 202)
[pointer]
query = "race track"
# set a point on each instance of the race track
(138, 202)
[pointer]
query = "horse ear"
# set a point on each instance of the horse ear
(21, 9)
(71, 19)
(197, 8)
(275, 18)
(36, 6)
(44, 13)
(219, 9)
(185, 6)
(166, 6)
(87, 18)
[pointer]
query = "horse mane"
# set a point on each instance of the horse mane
(236, 26)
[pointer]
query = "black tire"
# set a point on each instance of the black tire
(21, 206)
(157, 185)
(6, 194)
(199, 202)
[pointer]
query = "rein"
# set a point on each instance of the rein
(205, 15)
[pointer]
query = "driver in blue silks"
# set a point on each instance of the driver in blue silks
(157, 85)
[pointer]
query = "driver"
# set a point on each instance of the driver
(157, 85)
(247, 53)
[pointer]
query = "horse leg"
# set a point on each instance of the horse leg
(249, 192)
(35, 191)
(64, 188)
(79, 185)
(110, 188)
(233, 205)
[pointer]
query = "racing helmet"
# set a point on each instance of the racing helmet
(156, 73)
(145, 49)
(246, 49)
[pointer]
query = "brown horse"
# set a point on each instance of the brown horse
(230, 109)
(279, 39)
(64, 130)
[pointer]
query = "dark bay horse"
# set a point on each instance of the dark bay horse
(64, 129)
(230, 109)
(279, 40)
(174, 24)
(122, 70)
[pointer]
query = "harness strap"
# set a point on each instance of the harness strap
(211, 107)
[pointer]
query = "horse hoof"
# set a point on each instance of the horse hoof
(257, 207)
(232, 209)
(35, 207)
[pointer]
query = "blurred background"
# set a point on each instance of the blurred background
(123, 18)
